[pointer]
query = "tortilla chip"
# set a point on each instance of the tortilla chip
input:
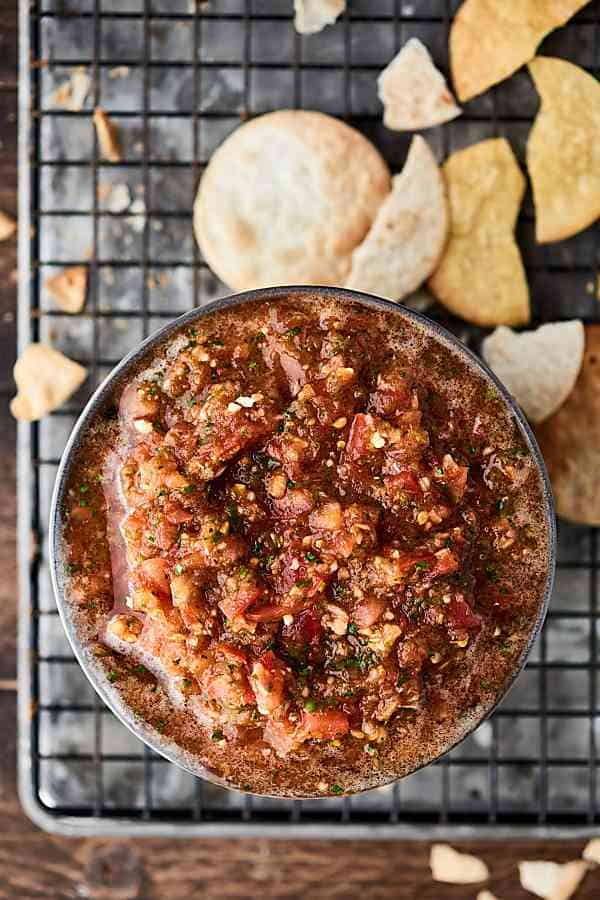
(409, 233)
(570, 441)
(313, 15)
(68, 288)
(108, 136)
(550, 880)
(481, 277)
(563, 150)
(540, 367)
(452, 867)
(591, 851)
(45, 379)
(8, 226)
(491, 39)
(413, 92)
(486, 895)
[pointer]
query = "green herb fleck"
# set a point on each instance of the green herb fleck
(304, 583)
(217, 735)
(293, 332)
(352, 628)
(188, 489)
(501, 504)
(402, 679)
(310, 705)
(139, 670)
(421, 565)
(491, 572)
(161, 725)
(113, 676)
(178, 569)
(217, 536)
(310, 556)
(337, 789)
(84, 488)
(485, 685)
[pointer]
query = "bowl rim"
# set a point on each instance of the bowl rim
(103, 394)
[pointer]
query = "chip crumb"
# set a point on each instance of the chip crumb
(414, 92)
(591, 851)
(8, 226)
(452, 867)
(119, 198)
(71, 94)
(108, 136)
(68, 288)
(313, 15)
(45, 379)
(118, 72)
(551, 880)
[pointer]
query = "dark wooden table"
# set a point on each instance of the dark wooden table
(34, 864)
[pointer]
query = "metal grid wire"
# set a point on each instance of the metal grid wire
(176, 81)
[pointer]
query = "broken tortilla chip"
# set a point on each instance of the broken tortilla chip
(486, 895)
(68, 288)
(108, 136)
(452, 867)
(489, 40)
(481, 276)
(313, 15)
(591, 851)
(45, 379)
(539, 367)
(8, 226)
(413, 92)
(409, 233)
(570, 441)
(563, 150)
(71, 94)
(550, 880)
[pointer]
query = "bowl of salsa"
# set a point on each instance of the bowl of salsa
(302, 541)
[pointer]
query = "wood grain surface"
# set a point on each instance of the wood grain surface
(37, 865)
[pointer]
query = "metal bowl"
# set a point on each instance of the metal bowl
(102, 399)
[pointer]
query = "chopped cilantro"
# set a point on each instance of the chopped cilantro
(352, 628)
(217, 536)
(291, 484)
(84, 488)
(491, 572)
(83, 503)
(113, 676)
(161, 725)
(402, 679)
(370, 748)
(71, 568)
(310, 556)
(188, 489)
(178, 569)
(293, 332)
(217, 735)
(310, 705)
(139, 670)
(485, 685)
(304, 583)
(337, 789)
(501, 504)
(233, 514)
(438, 471)
(244, 571)
(252, 364)
(421, 565)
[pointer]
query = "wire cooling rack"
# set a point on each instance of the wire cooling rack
(177, 79)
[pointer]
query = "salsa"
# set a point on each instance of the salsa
(307, 544)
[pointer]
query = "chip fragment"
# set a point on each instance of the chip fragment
(563, 150)
(570, 441)
(409, 233)
(481, 276)
(71, 94)
(108, 136)
(452, 867)
(413, 92)
(68, 288)
(539, 367)
(45, 379)
(591, 851)
(489, 40)
(313, 15)
(8, 226)
(551, 880)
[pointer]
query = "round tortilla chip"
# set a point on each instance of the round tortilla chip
(413, 92)
(286, 199)
(481, 276)
(570, 441)
(45, 379)
(491, 39)
(539, 367)
(563, 150)
(409, 233)
(451, 867)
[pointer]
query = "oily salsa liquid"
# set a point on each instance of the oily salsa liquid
(307, 545)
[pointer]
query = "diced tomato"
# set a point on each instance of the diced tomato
(304, 631)
(456, 477)
(461, 617)
(153, 575)
(138, 402)
(294, 503)
(325, 725)
(359, 440)
(394, 393)
(240, 590)
(282, 735)
(368, 611)
(445, 563)
(291, 451)
(404, 481)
